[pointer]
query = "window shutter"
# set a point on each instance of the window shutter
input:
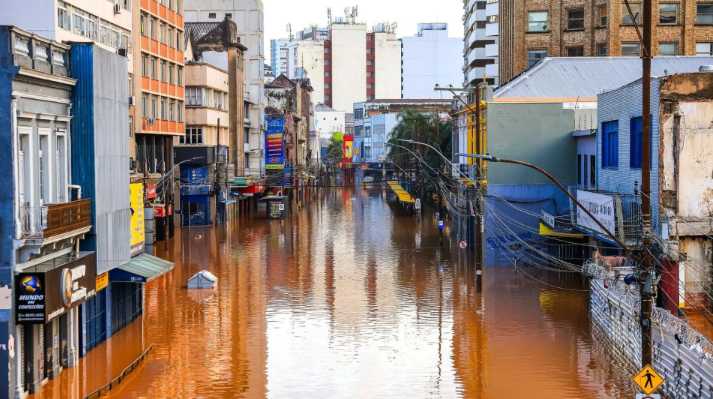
(22, 177)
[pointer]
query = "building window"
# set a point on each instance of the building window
(144, 106)
(154, 107)
(668, 14)
(603, 16)
(212, 15)
(179, 40)
(369, 62)
(630, 50)
(535, 56)
(326, 74)
(145, 65)
(575, 19)
(153, 29)
(326, 62)
(162, 33)
(195, 96)
(143, 24)
(636, 142)
(593, 171)
(163, 71)
(369, 50)
(246, 134)
(369, 74)
(668, 49)
(172, 74)
(369, 86)
(610, 145)
(537, 22)
(635, 11)
(171, 110)
(579, 169)
(163, 109)
(480, 5)
(154, 74)
(194, 135)
(170, 37)
(327, 86)
(326, 50)
(602, 50)
(369, 38)
(705, 14)
(575, 51)
(480, 24)
(247, 163)
(179, 76)
(327, 98)
(704, 49)
(369, 98)
(358, 114)
(179, 111)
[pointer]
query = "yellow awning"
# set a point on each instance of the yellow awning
(401, 193)
(546, 231)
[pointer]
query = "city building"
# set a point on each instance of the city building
(248, 16)
(480, 42)
(306, 60)
(313, 33)
(430, 58)
(291, 99)
(158, 114)
(595, 28)
(345, 65)
(383, 63)
(680, 179)
(327, 121)
(278, 56)
(269, 76)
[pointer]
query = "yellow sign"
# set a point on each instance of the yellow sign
(648, 380)
(356, 151)
(348, 149)
(102, 281)
(136, 203)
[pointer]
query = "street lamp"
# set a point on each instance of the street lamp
(491, 158)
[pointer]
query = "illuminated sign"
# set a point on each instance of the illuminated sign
(274, 143)
(138, 241)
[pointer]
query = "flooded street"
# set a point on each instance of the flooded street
(351, 298)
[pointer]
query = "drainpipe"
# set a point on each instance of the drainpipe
(79, 189)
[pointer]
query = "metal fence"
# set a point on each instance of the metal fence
(682, 356)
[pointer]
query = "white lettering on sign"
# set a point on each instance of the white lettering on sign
(78, 272)
(547, 218)
(601, 207)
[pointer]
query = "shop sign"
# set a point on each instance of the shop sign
(151, 191)
(136, 203)
(43, 295)
(102, 281)
(159, 211)
(364, 167)
(274, 143)
(288, 176)
(548, 218)
(348, 144)
(600, 206)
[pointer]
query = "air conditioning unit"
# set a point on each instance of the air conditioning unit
(132, 100)
(121, 51)
(117, 9)
(150, 121)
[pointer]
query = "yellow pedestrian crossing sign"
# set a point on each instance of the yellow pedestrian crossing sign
(648, 380)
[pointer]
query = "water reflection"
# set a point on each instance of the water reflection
(351, 298)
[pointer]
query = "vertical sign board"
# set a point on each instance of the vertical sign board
(288, 176)
(195, 175)
(274, 144)
(601, 206)
(138, 241)
(348, 144)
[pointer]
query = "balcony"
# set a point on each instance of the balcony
(54, 221)
(34, 52)
(491, 50)
(492, 9)
(491, 70)
(491, 29)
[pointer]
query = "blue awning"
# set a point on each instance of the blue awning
(141, 269)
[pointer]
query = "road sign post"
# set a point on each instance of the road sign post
(648, 380)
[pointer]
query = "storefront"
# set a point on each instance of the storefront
(46, 298)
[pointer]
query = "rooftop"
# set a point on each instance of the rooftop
(583, 78)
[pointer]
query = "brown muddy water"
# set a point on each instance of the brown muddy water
(351, 298)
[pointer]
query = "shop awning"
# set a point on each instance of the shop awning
(546, 231)
(401, 193)
(141, 269)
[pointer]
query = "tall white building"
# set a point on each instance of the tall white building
(430, 58)
(249, 17)
(306, 60)
(387, 64)
(480, 41)
(345, 66)
(278, 56)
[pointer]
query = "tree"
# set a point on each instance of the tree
(335, 150)
(425, 128)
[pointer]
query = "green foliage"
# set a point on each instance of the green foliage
(335, 151)
(425, 128)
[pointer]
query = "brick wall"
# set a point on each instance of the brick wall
(516, 41)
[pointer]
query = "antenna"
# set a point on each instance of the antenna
(329, 17)
(289, 31)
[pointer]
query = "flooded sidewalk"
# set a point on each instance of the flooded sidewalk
(350, 298)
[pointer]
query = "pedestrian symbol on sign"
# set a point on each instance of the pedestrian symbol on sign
(648, 380)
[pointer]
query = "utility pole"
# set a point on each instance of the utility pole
(479, 206)
(646, 276)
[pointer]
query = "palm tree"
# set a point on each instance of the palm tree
(335, 150)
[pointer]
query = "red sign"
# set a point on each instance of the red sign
(463, 245)
(159, 211)
(151, 191)
(364, 167)
(348, 144)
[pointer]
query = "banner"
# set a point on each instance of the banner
(348, 144)
(601, 206)
(288, 176)
(136, 203)
(274, 143)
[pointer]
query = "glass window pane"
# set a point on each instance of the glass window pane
(635, 10)
(705, 14)
(537, 21)
(668, 13)
(667, 49)
(704, 49)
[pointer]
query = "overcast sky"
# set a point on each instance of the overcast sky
(408, 13)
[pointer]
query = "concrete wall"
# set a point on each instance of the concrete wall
(327, 123)
(538, 133)
(348, 65)
(309, 56)
(430, 59)
(387, 66)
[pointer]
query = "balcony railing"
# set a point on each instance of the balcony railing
(52, 220)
